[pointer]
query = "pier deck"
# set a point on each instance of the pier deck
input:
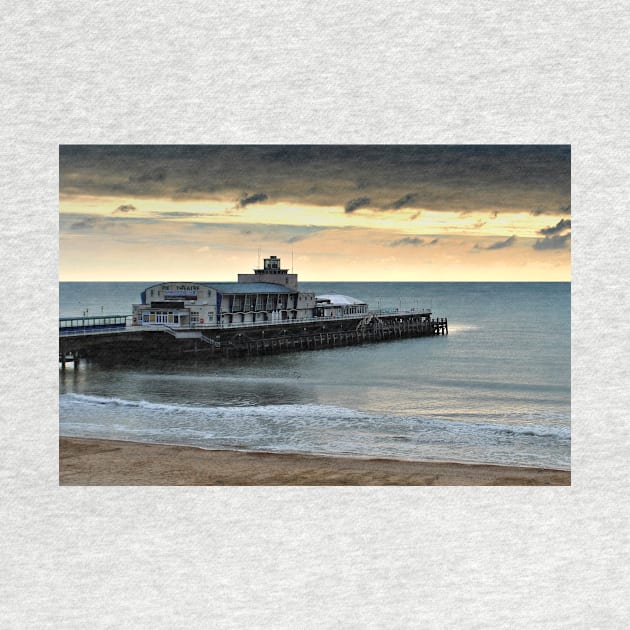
(161, 341)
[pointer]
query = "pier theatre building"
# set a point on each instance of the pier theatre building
(269, 295)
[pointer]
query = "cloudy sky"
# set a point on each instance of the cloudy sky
(371, 212)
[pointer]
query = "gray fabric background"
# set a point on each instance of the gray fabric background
(301, 72)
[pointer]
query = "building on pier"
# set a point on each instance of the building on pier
(270, 294)
(337, 305)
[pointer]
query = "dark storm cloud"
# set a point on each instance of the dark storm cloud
(184, 215)
(561, 226)
(543, 210)
(293, 155)
(154, 230)
(502, 244)
(493, 178)
(75, 222)
(125, 208)
(404, 202)
(556, 241)
(407, 240)
(246, 200)
(156, 175)
(175, 215)
(259, 232)
(83, 224)
(355, 204)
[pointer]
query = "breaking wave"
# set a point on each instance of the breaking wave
(330, 415)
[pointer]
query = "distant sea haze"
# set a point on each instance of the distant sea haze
(495, 390)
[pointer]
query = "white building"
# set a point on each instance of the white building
(269, 295)
(337, 305)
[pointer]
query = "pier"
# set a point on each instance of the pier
(132, 343)
(262, 313)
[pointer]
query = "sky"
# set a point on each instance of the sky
(330, 212)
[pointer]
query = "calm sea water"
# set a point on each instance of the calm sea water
(496, 389)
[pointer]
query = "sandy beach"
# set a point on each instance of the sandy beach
(114, 463)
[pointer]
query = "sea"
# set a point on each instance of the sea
(496, 389)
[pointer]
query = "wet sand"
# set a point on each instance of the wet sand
(114, 463)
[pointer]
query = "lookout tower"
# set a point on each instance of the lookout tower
(271, 265)
(271, 272)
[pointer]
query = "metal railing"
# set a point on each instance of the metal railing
(90, 330)
(307, 320)
(236, 325)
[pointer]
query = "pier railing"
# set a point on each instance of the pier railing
(123, 326)
(94, 325)
(285, 322)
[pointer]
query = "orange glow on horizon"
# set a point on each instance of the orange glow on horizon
(109, 238)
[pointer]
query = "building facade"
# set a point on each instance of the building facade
(268, 295)
(337, 305)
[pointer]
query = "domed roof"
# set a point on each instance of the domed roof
(336, 299)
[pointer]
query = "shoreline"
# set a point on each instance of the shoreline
(91, 461)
